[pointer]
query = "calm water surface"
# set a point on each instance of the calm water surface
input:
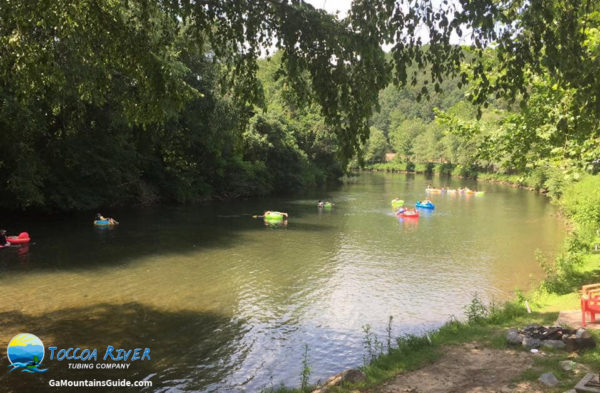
(227, 304)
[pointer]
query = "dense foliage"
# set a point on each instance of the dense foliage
(127, 101)
(544, 57)
(121, 102)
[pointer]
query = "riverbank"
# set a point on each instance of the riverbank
(539, 180)
(578, 263)
(474, 343)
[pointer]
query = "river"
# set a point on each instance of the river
(227, 304)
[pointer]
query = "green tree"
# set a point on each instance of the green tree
(376, 147)
(403, 137)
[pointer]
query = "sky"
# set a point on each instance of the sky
(343, 6)
(332, 6)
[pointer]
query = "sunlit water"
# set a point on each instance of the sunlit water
(227, 304)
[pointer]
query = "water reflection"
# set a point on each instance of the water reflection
(227, 305)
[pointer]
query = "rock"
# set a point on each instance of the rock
(529, 343)
(350, 376)
(553, 333)
(556, 344)
(513, 337)
(571, 391)
(548, 379)
(582, 333)
(567, 365)
(353, 376)
(585, 343)
(577, 368)
(570, 342)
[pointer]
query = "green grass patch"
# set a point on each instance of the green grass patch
(392, 166)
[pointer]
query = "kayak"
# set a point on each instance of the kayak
(397, 203)
(409, 214)
(427, 205)
(104, 223)
(21, 239)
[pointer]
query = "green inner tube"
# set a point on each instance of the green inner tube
(397, 203)
(327, 205)
(274, 216)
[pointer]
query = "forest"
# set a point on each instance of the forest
(147, 101)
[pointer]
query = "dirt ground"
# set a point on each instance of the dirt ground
(467, 369)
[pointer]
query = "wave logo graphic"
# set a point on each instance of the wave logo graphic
(25, 353)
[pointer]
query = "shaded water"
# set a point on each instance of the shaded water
(227, 304)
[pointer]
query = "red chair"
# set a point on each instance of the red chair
(590, 302)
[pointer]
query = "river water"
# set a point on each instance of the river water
(227, 304)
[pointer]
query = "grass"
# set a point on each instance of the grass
(554, 302)
(404, 167)
(391, 166)
(415, 352)
(519, 180)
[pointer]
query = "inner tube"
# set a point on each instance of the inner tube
(103, 223)
(273, 216)
(451, 191)
(326, 205)
(433, 190)
(409, 214)
(427, 205)
(479, 193)
(21, 239)
(397, 203)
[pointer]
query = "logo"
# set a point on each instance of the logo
(25, 353)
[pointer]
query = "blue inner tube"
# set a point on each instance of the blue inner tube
(425, 205)
(101, 222)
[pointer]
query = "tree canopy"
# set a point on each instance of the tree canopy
(173, 91)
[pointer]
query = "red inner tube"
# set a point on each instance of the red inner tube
(21, 239)
(409, 214)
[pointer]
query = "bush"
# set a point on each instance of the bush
(476, 311)
(466, 171)
(555, 183)
(581, 202)
(444, 169)
(426, 168)
(537, 179)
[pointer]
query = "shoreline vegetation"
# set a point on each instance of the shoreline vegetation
(531, 182)
(577, 264)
